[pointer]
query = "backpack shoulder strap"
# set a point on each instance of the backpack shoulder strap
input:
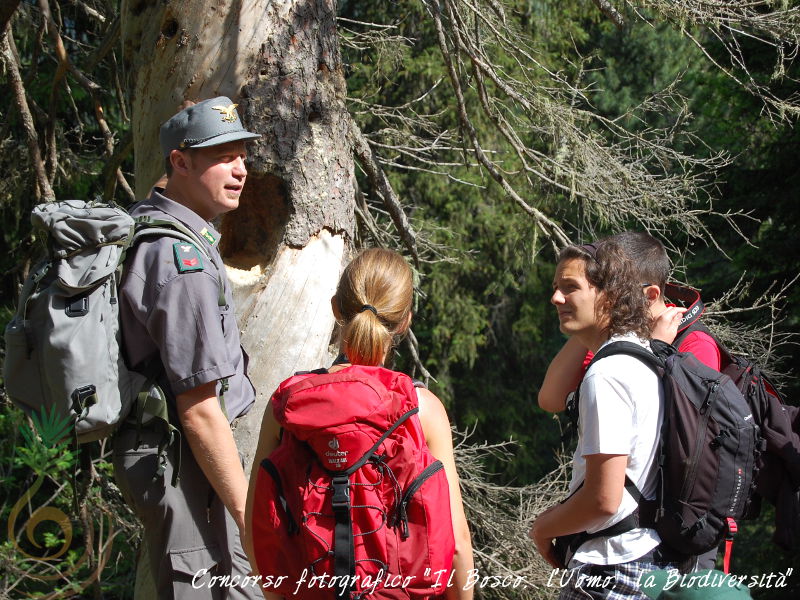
(569, 544)
(631, 349)
(147, 226)
(572, 405)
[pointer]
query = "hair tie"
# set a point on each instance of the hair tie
(368, 307)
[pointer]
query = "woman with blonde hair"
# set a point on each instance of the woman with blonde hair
(354, 491)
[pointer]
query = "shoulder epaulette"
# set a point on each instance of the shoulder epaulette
(187, 257)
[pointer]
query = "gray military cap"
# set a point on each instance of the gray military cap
(207, 123)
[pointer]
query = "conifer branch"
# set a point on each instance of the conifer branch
(383, 187)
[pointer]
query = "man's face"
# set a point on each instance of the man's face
(575, 299)
(215, 178)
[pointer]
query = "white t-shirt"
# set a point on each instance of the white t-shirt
(621, 409)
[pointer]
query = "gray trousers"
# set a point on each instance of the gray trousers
(192, 541)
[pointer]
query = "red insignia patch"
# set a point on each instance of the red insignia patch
(187, 257)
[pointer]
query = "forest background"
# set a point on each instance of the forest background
(483, 323)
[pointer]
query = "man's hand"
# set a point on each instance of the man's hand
(667, 323)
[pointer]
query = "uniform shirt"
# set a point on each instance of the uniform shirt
(621, 410)
(177, 316)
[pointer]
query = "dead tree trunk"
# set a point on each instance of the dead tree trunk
(286, 243)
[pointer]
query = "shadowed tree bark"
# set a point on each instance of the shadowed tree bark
(6, 10)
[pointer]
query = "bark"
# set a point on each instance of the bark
(286, 243)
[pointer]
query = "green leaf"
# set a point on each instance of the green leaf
(51, 427)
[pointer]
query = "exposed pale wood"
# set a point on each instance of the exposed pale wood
(287, 320)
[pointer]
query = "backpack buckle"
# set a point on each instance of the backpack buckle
(82, 398)
(341, 493)
(78, 307)
(733, 528)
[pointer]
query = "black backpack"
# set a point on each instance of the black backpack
(707, 457)
(778, 476)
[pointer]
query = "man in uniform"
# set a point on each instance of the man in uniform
(178, 324)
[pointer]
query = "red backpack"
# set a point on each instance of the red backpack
(351, 504)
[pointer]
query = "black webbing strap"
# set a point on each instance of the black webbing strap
(344, 554)
(269, 467)
(641, 517)
(644, 515)
(75, 470)
(572, 405)
(631, 349)
(368, 454)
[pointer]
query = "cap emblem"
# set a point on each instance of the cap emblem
(228, 112)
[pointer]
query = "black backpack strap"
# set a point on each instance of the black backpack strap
(320, 371)
(631, 349)
(656, 363)
(571, 407)
(270, 468)
(344, 557)
(641, 516)
(567, 545)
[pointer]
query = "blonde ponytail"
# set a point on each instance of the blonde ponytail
(374, 300)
